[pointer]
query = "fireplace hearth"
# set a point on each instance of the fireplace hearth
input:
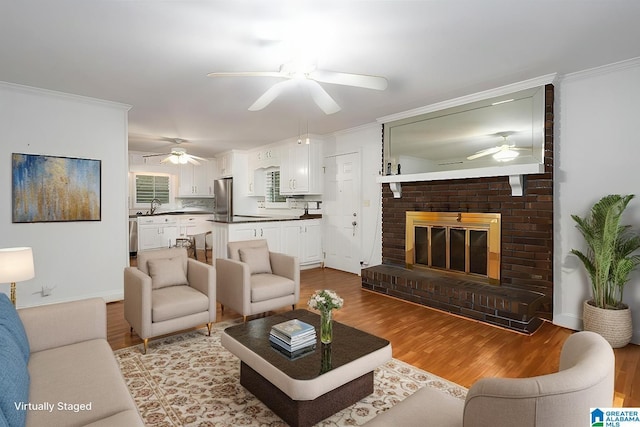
(503, 306)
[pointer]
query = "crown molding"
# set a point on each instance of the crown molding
(503, 90)
(55, 94)
(602, 70)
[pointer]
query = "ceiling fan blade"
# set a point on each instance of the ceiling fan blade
(193, 161)
(322, 98)
(347, 79)
(167, 159)
(483, 153)
(247, 74)
(202, 159)
(154, 155)
(272, 93)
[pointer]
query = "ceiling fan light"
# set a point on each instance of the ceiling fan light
(183, 160)
(506, 155)
(174, 159)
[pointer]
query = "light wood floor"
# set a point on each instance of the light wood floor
(454, 348)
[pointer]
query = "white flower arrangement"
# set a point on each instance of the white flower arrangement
(325, 300)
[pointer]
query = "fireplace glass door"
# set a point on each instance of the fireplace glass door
(458, 249)
(466, 243)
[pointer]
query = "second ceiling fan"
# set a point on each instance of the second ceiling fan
(295, 72)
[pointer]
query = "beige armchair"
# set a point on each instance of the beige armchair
(168, 292)
(254, 280)
(564, 398)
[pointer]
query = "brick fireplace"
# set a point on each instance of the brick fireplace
(524, 293)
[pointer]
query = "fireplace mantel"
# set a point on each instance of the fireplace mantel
(514, 172)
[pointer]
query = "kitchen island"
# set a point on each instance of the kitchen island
(296, 236)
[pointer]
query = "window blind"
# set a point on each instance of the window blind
(149, 187)
(272, 187)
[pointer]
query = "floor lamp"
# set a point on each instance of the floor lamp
(16, 265)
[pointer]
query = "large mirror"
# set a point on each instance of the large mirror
(504, 130)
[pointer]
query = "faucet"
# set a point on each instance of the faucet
(153, 208)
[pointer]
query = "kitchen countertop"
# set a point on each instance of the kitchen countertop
(173, 213)
(236, 219)
(240, 219)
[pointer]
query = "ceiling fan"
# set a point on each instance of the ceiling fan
(295, 72)
(502, 153)
(179, 155)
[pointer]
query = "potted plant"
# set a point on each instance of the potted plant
(609, 260)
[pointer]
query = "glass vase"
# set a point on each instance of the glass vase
(326, 327)
(325, 363)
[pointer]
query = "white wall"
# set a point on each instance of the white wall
(368, 141)
(81, 259)
(597, 145)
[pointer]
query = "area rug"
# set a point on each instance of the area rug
(191, 380)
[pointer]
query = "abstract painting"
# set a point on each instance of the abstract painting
(54, 189)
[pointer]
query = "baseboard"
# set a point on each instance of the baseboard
(568, 320)
(571, 321)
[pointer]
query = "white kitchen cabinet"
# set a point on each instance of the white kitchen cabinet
(225, 164)
(196, 180)
(252, 165)
(157, 232)
(258, 161)
(312, 242)
(303, 239)
(269, 230)
(267, 157)
(300, 168)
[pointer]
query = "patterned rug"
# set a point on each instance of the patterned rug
(191, 380)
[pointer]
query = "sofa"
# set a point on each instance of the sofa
(585, 380)
(59, 370)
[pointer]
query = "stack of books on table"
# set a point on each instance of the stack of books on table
(293, 338)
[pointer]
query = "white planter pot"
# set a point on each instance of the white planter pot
(614, 325)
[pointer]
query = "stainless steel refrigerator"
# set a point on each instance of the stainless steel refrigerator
(223, 197)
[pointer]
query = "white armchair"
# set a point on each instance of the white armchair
(564, 398)
(168, 292)
(254, 280)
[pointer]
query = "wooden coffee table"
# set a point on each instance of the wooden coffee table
(308, 389)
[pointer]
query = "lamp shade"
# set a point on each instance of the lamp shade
(16, 265)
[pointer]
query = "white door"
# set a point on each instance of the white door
(341, 212)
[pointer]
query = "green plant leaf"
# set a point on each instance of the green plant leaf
(608, 259)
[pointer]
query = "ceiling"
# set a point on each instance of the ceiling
(155, 55)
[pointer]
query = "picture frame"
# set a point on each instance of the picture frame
(55, 189)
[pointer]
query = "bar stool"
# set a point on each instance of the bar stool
(188, 242)
(206, 246)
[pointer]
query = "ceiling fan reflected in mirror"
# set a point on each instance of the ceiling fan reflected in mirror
(295, 72)
(502, 153)
(179, 155)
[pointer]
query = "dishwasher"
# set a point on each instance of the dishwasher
(133, 236)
